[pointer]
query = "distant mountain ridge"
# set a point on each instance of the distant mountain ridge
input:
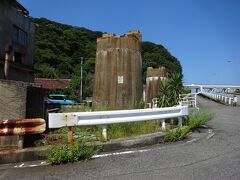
(58, 48)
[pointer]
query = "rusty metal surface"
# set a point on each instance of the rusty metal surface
(22, 126)
(118, 71)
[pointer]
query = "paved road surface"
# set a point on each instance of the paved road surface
(210, 155)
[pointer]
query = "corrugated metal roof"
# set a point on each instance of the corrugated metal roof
(52, 83)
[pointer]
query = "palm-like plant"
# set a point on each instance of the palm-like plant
(164, 96)
(169, 90)
(176, 86)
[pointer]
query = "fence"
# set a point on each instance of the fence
(219, 97)
(104, 118)
(189, 100)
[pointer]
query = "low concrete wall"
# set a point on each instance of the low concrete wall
(12, 105)
(19, 100)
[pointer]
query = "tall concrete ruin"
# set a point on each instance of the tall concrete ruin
(153, 81)
(118, 71)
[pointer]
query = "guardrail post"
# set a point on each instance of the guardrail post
(20, 142)
(70, 136)
(180, 121)
(104, 133)
(163, 124)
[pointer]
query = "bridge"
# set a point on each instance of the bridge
(201, 87)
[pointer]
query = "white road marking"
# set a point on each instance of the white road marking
(32, 164)
(211, 134)
(124, 152)
(193, 140)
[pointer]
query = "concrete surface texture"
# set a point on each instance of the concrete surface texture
(214, 155)
(13, 95)
(153, 81)
(19, 100)
(118, 71)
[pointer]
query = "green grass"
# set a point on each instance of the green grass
(192, 122)
(133, 129)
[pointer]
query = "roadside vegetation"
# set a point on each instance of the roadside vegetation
(170, 89)
(192, 122)
(76, 152)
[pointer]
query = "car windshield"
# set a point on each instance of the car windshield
(57, 97)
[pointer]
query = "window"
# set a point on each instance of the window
(19, 36)
(18, 58)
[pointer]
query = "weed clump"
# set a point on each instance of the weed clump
(76, 152)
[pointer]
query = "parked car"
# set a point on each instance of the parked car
(61, 99)
(52, 106)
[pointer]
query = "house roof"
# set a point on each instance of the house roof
(52, 83)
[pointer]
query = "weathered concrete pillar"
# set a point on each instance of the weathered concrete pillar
(154, 78)
(118, 71)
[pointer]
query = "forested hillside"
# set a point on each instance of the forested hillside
(58, 49)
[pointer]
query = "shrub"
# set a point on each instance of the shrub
(63, 154)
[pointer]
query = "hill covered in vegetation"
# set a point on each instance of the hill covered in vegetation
(58, 48)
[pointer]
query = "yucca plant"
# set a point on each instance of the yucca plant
(169, 90)
(164, 95)
(176, 86)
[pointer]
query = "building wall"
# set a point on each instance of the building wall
(17, 30)
(118, 71)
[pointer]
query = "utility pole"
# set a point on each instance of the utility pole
(81, 83)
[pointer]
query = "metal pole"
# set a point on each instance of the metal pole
(70, 136)
(81, 83)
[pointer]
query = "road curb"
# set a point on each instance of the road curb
(22, 155)
(39, 153)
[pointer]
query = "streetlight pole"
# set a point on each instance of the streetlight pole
(81, 83)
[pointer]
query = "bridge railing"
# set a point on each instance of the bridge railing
(104, 118)
(189, 100)
(220, 97)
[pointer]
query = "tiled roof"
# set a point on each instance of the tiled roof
(52, 83)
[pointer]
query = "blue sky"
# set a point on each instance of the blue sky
(203, 34)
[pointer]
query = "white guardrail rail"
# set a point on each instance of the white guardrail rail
(103, 118)
(220, 97)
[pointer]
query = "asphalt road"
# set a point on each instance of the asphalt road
(211, 154)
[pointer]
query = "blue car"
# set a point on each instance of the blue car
(60, 98)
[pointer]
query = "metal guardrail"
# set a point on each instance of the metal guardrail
(22, 126)
(220, 97)
(103, 118)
